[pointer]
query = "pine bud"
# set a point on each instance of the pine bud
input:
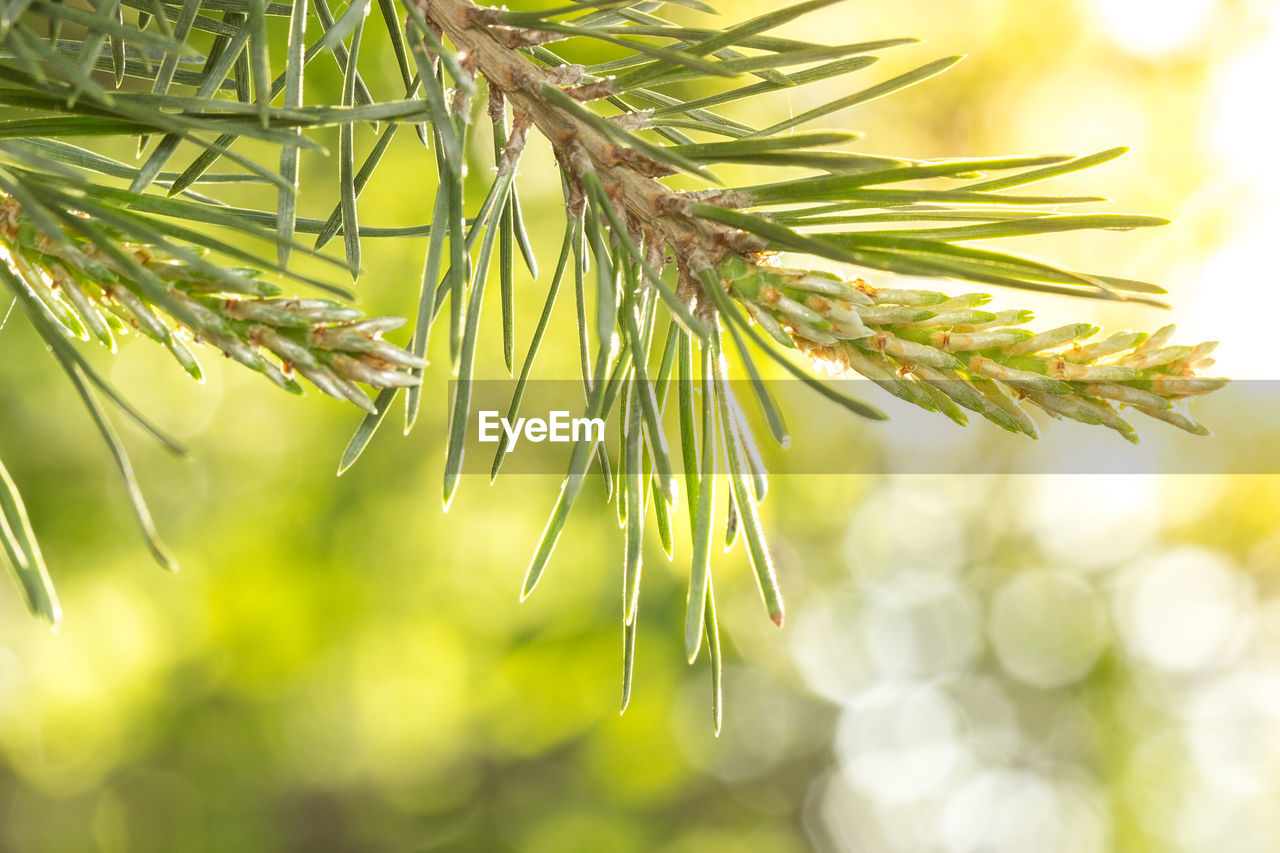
(943, 354)
(90, 294)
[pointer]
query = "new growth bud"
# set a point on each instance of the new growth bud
(90, 295)
(943, 354)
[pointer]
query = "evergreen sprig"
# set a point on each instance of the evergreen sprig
(96, 291)
(943, 353)
(94, 245)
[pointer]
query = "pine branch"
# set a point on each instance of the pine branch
(87, 259)
(937, 352)
(80, 279)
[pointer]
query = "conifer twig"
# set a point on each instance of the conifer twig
(724, 264)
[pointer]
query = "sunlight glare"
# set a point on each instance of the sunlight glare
(1153, 27)
(1242, 134)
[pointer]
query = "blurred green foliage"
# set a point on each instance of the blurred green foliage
(339, 666)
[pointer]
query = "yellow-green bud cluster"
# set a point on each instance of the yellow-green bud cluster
(90, 294)
(946, 354)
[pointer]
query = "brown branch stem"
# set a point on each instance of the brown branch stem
(629, 177)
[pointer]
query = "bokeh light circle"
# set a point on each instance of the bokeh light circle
(1048, 628)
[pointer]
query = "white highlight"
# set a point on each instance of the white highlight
(1153, 27)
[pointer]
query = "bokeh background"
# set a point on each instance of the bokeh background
(971, 664)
